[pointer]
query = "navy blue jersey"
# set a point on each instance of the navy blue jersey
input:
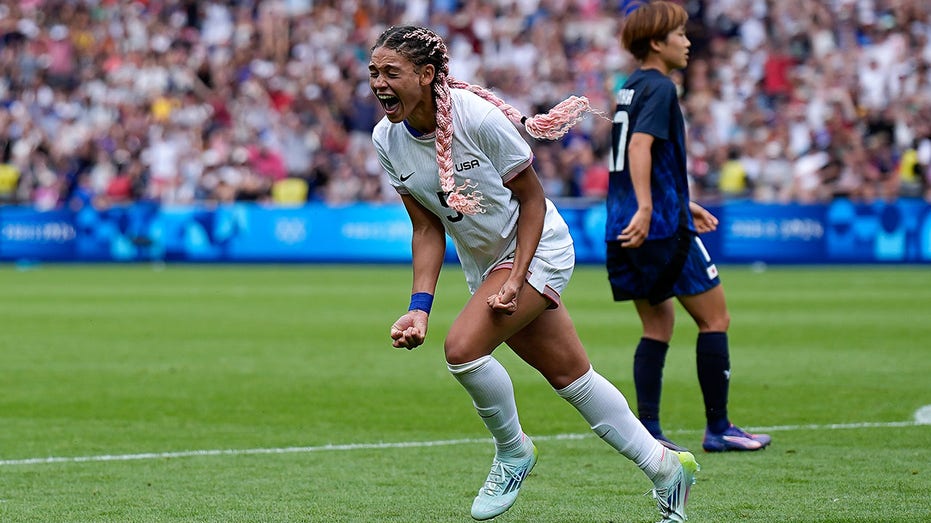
(648, 104)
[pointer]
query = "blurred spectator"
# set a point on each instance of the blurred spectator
(179, 101)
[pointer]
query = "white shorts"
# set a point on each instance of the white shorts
(548, 275)
(551, 266)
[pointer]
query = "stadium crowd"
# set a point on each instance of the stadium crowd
(108, 101)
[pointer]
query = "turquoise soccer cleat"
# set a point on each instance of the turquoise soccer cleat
(503, 485)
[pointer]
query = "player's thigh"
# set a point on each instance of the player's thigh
(657, 320)
(551, 345)
(479, 329)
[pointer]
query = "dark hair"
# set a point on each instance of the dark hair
(648, 22)
(419, 45)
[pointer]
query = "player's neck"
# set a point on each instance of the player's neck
(655, 61)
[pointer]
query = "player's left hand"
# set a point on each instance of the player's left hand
(506, 299)
(704, 220)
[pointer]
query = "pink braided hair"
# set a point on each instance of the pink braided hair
(550, 126)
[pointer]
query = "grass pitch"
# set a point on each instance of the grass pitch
(272, 394)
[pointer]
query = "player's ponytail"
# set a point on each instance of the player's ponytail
(550, 126)
(422, 46)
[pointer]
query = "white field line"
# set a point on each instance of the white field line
(922, 417)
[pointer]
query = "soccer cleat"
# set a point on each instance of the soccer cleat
(503, 484)
(654, 429)
(734, 439)
(672, 493)
(664, 441)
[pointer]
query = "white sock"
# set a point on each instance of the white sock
(489, 385)
(605, 409)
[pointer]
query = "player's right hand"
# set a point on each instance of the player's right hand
(636, 231)
(410, 330)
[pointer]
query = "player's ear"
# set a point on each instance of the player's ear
(655, 45)
(427, 73)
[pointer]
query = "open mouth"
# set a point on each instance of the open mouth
(389, 103)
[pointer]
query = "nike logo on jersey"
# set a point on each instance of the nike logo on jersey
(408, 177)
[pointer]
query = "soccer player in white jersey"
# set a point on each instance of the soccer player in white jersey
(462, 168)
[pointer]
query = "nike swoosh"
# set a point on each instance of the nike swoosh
(408, 177)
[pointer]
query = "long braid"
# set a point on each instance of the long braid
(461, 198)
(550, 126)
(422, 46)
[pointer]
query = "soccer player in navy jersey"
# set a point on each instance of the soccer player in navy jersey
(653, 250)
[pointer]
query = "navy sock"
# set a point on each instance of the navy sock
(649, 360)
(714, 370)
(652, 426)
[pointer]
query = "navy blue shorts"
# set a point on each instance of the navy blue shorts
(661, 269)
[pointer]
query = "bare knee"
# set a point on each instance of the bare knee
(560, 362)
(658, 320)
(457, 353)
(709, 310)
(564, 377)
(660, 331)
(461, 348)
(715, 323)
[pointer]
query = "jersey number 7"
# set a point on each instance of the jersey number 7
(619, 132)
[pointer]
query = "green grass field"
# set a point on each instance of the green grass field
(272, 394)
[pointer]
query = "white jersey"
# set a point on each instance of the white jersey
(487, 151)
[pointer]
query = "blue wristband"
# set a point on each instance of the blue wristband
(422, 301)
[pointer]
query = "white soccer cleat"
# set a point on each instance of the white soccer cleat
(672, 493)
(503, 485)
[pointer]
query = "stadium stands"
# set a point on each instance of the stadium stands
(180, 101)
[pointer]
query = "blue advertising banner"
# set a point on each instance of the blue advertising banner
(840, 232)
(370, 233)
(752, 232)
(247, 233)
(898, 231)
(29, 235)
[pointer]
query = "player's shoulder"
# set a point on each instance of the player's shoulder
(649, 86)
(465, 96)
(470, 103)
(385, 133)
(648, 77)
(472, 113)
(381, 129)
